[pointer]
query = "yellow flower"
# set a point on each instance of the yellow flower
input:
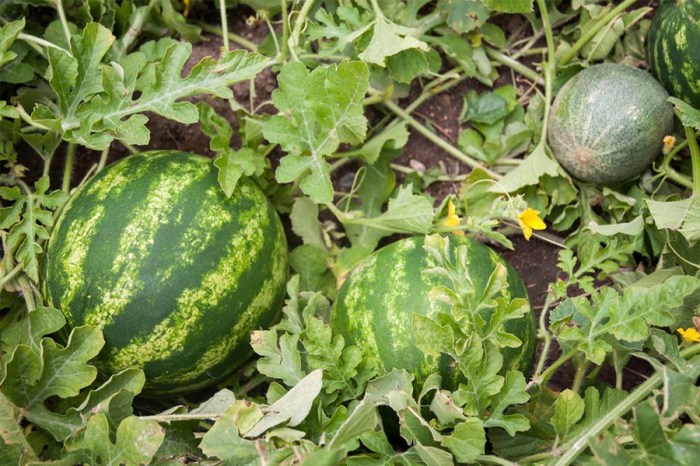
(529, 219)
(452, 220)
(669, 142)
(690, 335)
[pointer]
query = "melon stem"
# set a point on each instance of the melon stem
(549, 37)
(694, 158)
(224, 24)
(68, 168)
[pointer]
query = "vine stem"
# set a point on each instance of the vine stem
(539, 375)
(298, 26)
(224, 24)
(581, 368)
(10, 275)
(28, 119)
(694, 158)
(68, 168)
(103, 160)
(584, 39)
(63, 19)
(576, 446)
(514, 65)
(285, 32)
(235, 38)
(27, 293)
(34, 42)
(444, 145)
(492, 459)
(549, 37)
(549, 372)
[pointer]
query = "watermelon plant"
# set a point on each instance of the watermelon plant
(381, 134)
(175, 273)
(673, 57)
(608, 123)
(389, 305)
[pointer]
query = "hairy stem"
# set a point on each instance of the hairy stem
(63, 19)
(581, 368)
(694, 158)
(103, 159)
(37, 42)
(549, 37)
(68, 168)
(285, 32)
(493, 459)
(514, 65)
(546, 337)
(293, 42)
(5, 279)
(549, 372)
(28, 119)
(224, 24)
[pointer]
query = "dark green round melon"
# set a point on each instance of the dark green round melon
(175, 273)
(674, 48)
(375, 306)
(607, 123)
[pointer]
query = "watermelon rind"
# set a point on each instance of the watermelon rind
(176, 274)
(375, 306)
(674, 48)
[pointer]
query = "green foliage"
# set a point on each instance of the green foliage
(345, 371)
(498, 125)
(232, 164)
(95, 74)
(324, 109)
(595, 327)
(95, 110)
(27, 221)
(137, 441)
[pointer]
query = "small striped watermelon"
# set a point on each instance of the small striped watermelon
(674, 48)
(607, 123)
(375, 305)
(175, 273)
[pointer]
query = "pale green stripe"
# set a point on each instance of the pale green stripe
(239, 335)
(359, 318)
(136, 242)
(72, 256)
(402, 336)
(114, 181)
(680, 38)
(170, 335)
(208, 220)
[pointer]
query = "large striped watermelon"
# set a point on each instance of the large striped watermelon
(177, 274)
(375, 305)
(674, 48)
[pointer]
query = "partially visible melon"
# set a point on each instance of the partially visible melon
(674, 48)
(607, 124)
(375, 306)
